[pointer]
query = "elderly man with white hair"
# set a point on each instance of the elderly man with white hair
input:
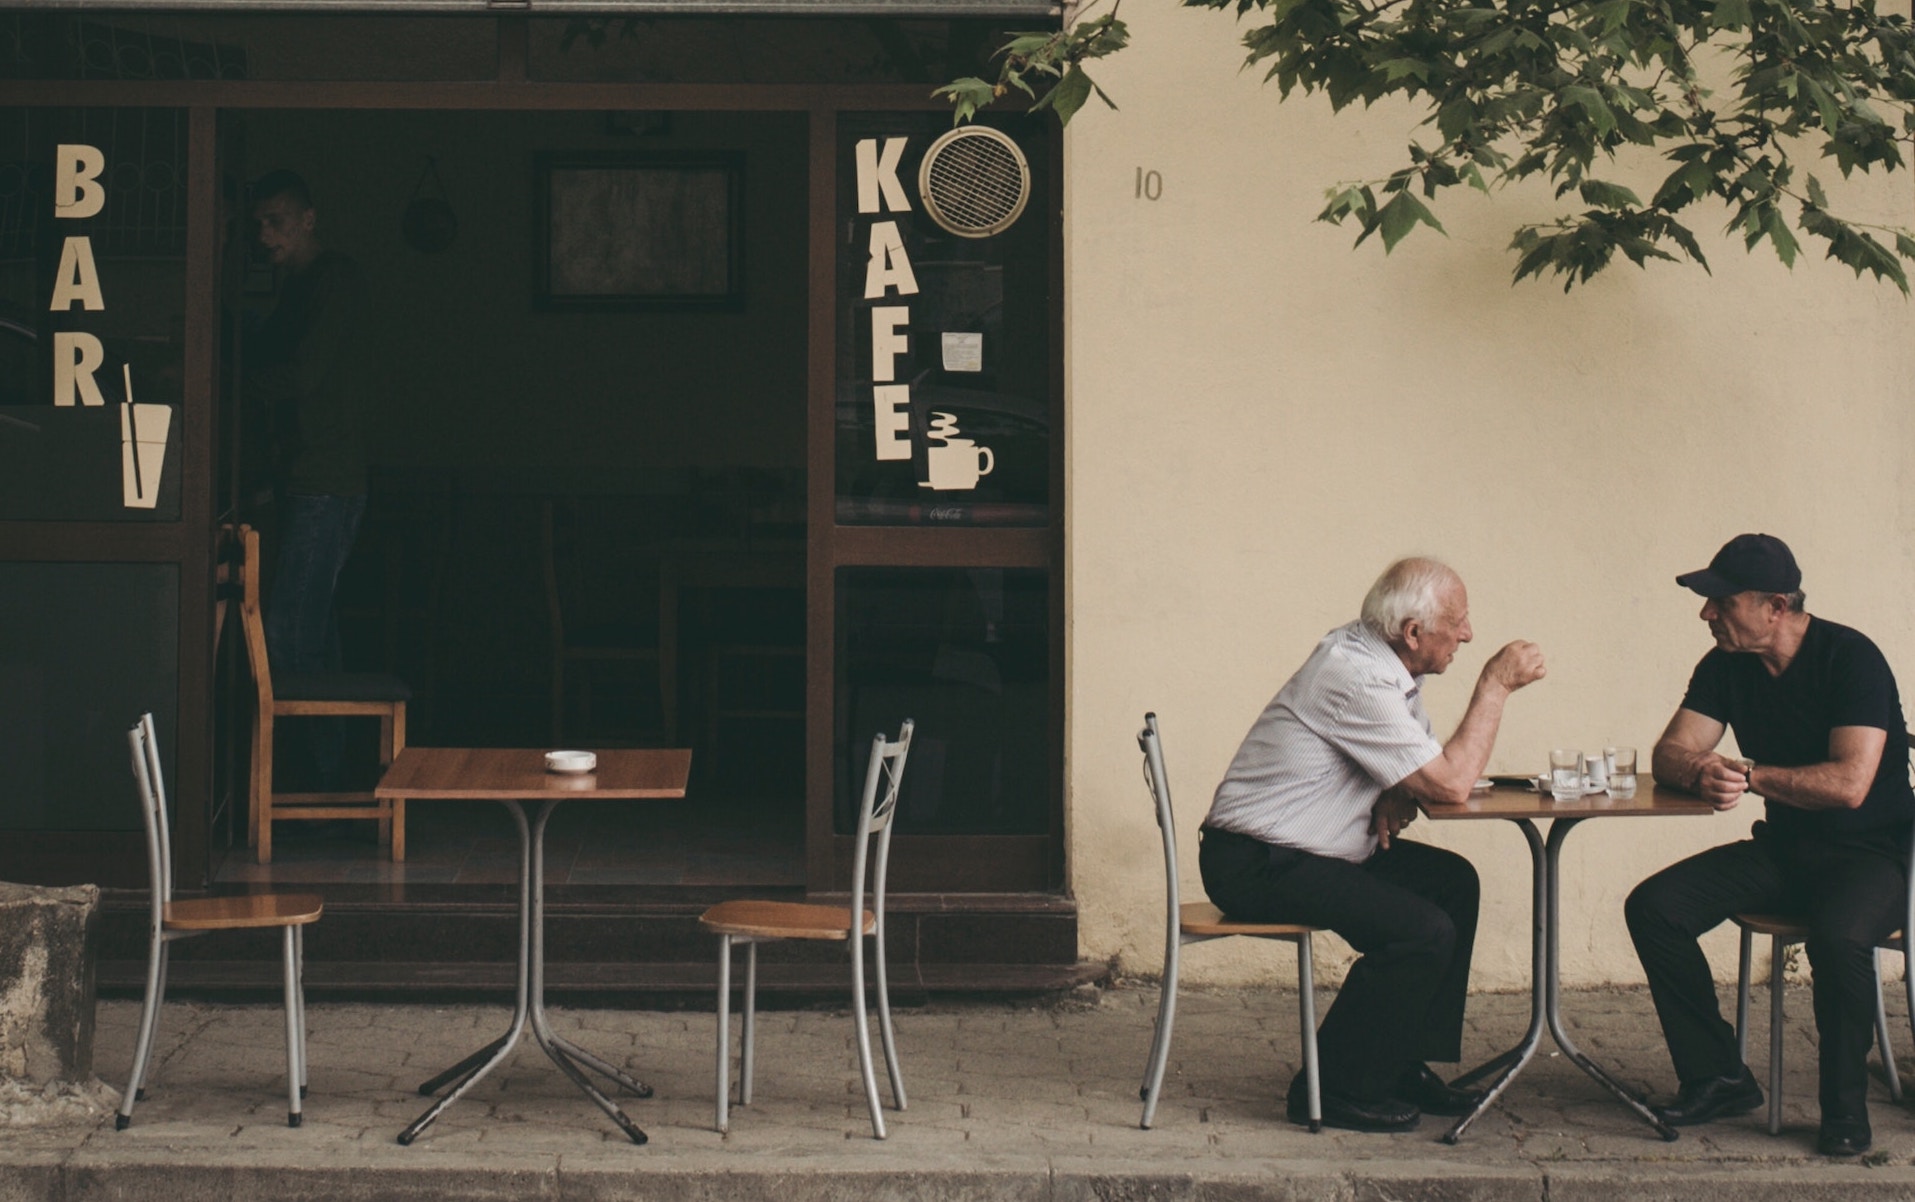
(1303, 829)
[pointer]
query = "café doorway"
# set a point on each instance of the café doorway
(586, 509)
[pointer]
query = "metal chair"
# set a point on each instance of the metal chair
(755, 922)
(1201, 922)
(1784, 930)
(171, 921)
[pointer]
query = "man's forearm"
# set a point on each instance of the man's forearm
(1468, 750)
(1678, 766)
(1831, 785)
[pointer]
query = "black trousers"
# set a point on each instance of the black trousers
(1410, 911)
(1851, 891)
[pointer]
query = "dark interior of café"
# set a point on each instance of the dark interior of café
(585, 524)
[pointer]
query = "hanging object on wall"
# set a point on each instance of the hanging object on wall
(974, 181)
(429, 225)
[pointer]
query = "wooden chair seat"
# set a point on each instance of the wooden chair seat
(1202, 918)
(782, 920)
(1789, 926)
(1794, 929)
(242, 911)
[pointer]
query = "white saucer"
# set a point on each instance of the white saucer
(571, 762)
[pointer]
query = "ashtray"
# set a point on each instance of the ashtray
(572, 762)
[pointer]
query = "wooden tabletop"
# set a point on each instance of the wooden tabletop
(518, 774)
(1506, 801)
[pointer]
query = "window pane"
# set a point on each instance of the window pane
(91, 305)
(966, 653)
(85, 648)
(944, 376)
(273, 46)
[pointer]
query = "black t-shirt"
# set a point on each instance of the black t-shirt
(1837, 678)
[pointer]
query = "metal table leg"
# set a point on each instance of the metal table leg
(1558, 833)
(1545, 998)
(1541, 941)
(468, 1071)
(554, 1046)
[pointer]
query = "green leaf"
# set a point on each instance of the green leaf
(1068, 96)
(1730, 14)
(1401, 216)
(1609, 196)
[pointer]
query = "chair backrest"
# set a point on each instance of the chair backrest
(144, 745)
(883, 775)
(1158, 781)
(252, 622)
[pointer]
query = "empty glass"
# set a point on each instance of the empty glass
(1565, 773)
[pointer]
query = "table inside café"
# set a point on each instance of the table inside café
(1525, 807)
(516, 777)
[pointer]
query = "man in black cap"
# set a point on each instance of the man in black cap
(1816, 713)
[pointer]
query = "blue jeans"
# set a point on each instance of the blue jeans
(302, 637)
(315, 537)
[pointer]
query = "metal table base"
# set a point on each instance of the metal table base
(1545, 998)
(528, 1007)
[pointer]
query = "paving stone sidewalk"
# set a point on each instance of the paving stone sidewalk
(1007, 1100)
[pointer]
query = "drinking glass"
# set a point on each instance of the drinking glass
(1565, 773)
(1622, 770)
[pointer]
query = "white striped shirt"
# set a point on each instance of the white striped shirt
(1346, 727)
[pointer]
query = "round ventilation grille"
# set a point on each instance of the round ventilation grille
(974, 181)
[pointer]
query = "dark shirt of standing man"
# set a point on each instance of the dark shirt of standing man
(1818, 719)
(306, 364)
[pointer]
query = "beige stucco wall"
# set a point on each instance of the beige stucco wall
(1261, 418)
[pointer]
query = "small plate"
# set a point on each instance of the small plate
(1483, 785)
(571, 762)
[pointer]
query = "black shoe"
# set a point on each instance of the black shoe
(1390, 1114)
(1432, 1095)
(1844, 1137)
(1712, 1098)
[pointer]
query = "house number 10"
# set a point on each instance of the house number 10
(1150, 185)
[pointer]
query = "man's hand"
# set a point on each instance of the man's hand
(1393, 811)
(1518, 664)
(1721, 782)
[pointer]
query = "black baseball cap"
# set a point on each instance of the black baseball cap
(1760, 563)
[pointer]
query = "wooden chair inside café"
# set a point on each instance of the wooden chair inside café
(333, 694)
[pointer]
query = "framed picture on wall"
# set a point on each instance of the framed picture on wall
(639, 231)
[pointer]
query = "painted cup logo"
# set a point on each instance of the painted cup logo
(954, 463)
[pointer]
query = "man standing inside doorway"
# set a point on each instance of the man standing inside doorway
(306, 363)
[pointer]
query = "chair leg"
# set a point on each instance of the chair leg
(723, 1120)
(263, 789)
(863, 1017)
(291, 973)
(886, 1035)
(1160, 1043)
(1307, 1019)
(299, 995)
(1742, 973)
(1775, 1035)
(1881, 1035)
(392, 740)
(747, 1038)
(149, 1025)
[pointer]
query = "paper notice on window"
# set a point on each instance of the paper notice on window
(964, 352)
